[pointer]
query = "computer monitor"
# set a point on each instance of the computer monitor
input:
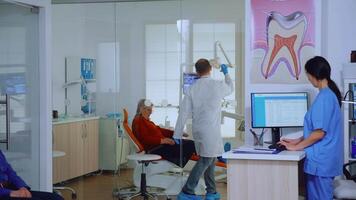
(188, 80)
(13, 83)
(278, 110)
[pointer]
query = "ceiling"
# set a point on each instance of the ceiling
(98, 1)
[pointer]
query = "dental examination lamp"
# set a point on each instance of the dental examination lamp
(215, 62)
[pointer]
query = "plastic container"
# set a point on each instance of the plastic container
(227, 146)
(353, 147)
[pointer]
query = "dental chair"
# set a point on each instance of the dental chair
(160, 173)
(346, 188)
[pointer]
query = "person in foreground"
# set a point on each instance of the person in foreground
(203, 103)
(322, 139)
(12, 187)
(157, 140)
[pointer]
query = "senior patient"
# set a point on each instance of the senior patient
(12, 187)
(157, 140)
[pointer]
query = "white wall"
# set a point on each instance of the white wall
(335, 33)
(78, 31)
(339, 32)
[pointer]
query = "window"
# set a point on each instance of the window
(163, 70)
(163, 65)
(204, 37)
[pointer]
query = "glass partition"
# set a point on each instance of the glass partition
(86, 87)
(20, 89)
(108, 56)
(217, 32)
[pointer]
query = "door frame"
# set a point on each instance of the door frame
(45, 82)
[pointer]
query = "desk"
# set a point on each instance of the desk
(263, 176)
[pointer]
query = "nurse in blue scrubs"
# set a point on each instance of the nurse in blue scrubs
(322, 139)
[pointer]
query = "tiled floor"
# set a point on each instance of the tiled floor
(100, 187)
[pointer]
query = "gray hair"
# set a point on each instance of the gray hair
(141, 104)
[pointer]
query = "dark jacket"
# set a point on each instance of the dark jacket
(9, 176)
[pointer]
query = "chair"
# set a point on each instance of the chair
(142, 158)
(159, 174)
(346, 189)
(162, 173)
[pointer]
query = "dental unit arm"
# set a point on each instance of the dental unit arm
(81, 81)
(215, 62)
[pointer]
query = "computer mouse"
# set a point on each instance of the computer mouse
(280, 147)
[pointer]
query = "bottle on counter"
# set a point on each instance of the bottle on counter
(353, 56)
(353, 147)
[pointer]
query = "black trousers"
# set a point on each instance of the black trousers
(36, 195)
(178, 154)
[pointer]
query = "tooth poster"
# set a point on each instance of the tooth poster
(283, 39)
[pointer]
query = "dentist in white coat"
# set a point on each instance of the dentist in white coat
(203, 103)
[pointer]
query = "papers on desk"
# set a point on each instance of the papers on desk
(255, 150)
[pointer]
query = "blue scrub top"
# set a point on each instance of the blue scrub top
(325, 157)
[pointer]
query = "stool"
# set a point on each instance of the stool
(56, 154)
(344, 189)
(144, 160)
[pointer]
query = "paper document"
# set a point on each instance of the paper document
(255, 150)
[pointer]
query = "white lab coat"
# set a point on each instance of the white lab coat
(203, 103)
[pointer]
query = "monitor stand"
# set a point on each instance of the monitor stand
(276, 136)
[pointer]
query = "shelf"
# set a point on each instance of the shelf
(12, 65)
(349, 70)
(70, 83)
(12, 69)
(79, 81)
(90, 80)
(349, 64)
(169, 106)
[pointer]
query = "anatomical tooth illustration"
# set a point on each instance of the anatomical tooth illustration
(285, 36)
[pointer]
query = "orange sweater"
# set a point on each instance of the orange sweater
(148, 133)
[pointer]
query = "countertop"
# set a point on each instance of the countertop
(72, 119)
(283, 156)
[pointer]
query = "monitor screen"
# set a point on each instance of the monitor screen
(188, 80)
(13, 83)
(269, 110)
